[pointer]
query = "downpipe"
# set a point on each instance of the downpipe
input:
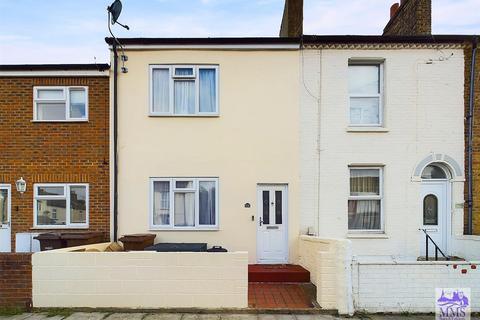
(115, 138)
(470, 137)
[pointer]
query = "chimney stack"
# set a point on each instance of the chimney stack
(394, 9)
(410, 18)
(292, 20)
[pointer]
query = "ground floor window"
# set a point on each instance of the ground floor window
(184, 203)
(365, 200)
(61, 205)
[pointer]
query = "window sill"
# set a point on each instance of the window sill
(183, 229)
(152, 115)
(59, 227)
(366, 129)
(61, 121)
(367, 236)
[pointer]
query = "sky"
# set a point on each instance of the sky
(73, 31)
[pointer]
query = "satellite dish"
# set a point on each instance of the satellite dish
(114, 10)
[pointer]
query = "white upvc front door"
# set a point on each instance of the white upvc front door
(435, 215)
(272, 226)
(5, 219)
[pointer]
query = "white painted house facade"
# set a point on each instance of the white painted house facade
(382, 145)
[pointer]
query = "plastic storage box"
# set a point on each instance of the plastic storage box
(137, 242)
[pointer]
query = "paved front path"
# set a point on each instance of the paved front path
(192, 316)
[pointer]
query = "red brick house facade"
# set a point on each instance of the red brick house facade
(54, 134)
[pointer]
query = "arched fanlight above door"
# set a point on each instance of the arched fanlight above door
(434, 171)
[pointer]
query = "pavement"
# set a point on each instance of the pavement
(193, 316)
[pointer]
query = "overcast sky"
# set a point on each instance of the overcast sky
(73, 31)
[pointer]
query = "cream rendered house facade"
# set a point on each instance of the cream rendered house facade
(382, 143)
(208, 143)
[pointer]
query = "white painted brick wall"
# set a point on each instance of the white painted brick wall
(329, 262)
(424, 114)
(140, 279)
(410, 287)
(309, 128)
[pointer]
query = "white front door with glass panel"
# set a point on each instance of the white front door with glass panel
(5, 219)
(272, 227)
(434, 201)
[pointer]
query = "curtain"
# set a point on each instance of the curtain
(51, 111)
(3, 206)
(364, 182)
(161, 203)
(185, 209)
(77, 103)
(364, 214)
(184, 96)
(364, 110)
(207, 203)
(161, 94)
(51, 94)
(364, 79)
(208, 95)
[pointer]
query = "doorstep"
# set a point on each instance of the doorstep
(277, 273)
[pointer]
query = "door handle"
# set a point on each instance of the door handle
(260, 221)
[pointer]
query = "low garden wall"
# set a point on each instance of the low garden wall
(329, 262)
(410, 286)
(15, 280)
(139, 279)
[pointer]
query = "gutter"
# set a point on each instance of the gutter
(470, 137)
(115, 139)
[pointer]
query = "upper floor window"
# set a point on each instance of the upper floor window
(183, 90)
(365, 88)
(60, 103)
(184, 203)
(61, 205)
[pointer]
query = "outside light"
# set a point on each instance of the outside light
(21, 185)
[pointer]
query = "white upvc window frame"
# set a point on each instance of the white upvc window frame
(380, 95)
(66, 196)
(192, 76)
(172, 78)
(369, 197)
(173, 189)
(66, 100)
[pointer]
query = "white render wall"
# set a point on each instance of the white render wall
(139, 279)
(410, 287)
(254, 140)
(423, 115)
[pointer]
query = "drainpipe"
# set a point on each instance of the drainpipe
(470, 137)
(115, 138)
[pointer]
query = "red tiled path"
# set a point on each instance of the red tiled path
(279, 286)
(277, 273)
(263, 295)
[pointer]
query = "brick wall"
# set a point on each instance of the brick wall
(409, 287)
(292, 20)
(15, 280)
(61, 152)
(413, 17)
(476, 137)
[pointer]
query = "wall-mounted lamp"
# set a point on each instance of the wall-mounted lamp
(21, 185)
